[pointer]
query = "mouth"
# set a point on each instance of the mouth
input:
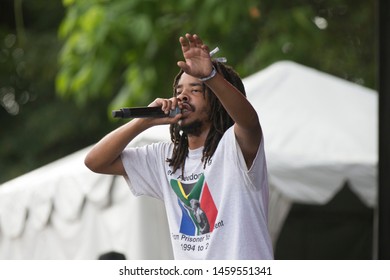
(186, 109)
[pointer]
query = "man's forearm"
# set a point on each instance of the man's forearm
(104, 157)
(235, 103)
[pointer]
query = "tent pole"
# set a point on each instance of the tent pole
(384, 131)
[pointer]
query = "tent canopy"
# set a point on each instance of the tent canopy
(320, 131)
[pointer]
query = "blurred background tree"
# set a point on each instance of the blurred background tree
(65, 65)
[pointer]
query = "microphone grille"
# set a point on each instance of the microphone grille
(117, 114)
(173, 113)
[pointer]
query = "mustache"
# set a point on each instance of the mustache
(186, 105)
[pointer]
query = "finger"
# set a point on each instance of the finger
(176, 118)
(191, 40)
(174, 103)
(198, 40)
(206, 48)
(183, 66)
(158, 102)
(155, 103)
(166, 107)
(185, 46)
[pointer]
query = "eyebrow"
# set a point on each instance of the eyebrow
(191, 84)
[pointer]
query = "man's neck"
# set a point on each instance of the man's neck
(197, 141)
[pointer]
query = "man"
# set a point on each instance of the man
(200, 217)
(216, 158)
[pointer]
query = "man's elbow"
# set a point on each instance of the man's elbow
(103, 167)
(91, 164)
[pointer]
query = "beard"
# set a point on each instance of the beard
(194, 128)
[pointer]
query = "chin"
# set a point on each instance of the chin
(191, 128)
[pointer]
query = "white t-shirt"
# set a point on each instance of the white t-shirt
(219, 212)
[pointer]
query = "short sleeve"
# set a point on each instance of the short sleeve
(145, 169)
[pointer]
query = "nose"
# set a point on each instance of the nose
(182, 97)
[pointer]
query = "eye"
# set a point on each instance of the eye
(196, 90)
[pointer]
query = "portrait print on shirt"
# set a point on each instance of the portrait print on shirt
(197, 205)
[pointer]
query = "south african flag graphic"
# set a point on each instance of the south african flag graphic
(198, 208)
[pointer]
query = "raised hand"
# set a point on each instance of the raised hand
(196, 54)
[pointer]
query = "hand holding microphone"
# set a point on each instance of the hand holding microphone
(157, 109)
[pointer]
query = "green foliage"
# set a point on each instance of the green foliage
(127, 50)
(37, 127)
(333, 36)
(124, 53)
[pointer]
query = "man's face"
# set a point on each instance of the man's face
(194, 106)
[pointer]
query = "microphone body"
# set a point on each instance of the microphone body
(144, 112)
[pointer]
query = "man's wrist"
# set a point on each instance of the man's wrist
(212, 75)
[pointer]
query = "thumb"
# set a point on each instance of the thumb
(183, 66)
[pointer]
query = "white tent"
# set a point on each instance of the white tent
(64, 211)
(320, 131)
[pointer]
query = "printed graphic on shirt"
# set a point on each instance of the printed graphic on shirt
(197, 205)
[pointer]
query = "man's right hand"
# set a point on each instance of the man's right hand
(166, 105)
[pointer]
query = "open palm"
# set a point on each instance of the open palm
(196, 54)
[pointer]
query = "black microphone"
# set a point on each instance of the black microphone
(144, 112)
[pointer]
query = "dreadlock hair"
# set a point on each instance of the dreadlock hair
(220, 120)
